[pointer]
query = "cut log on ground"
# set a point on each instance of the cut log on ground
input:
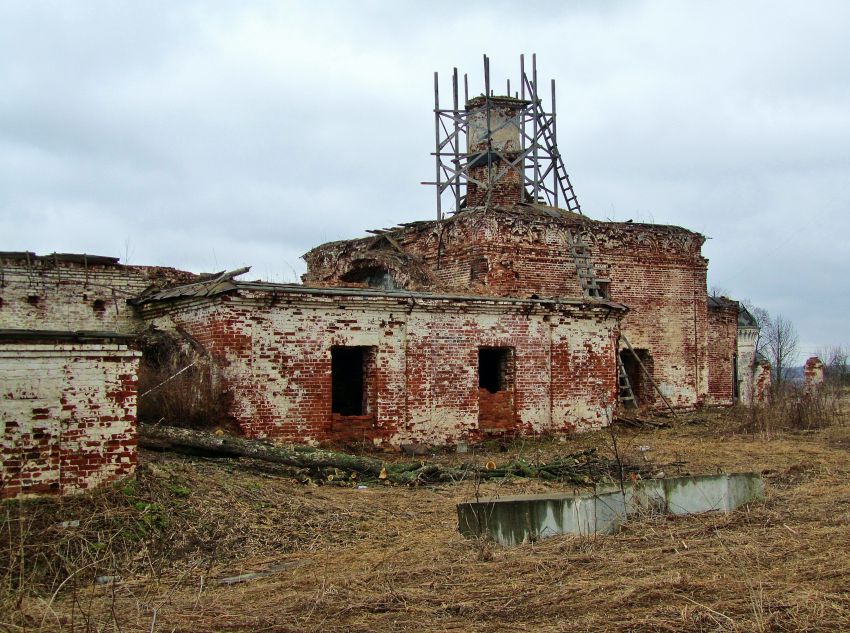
(306, 462)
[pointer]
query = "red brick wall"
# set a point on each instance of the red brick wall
(496, 410)
(505, 189)
(47, 293)
(762, 381)
(274, 349)
(657, 271)
(69, 416)
(813, 372)
(722, 346)
(68, 409)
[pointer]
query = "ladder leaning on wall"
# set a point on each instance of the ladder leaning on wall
(627, 394)
(646, 372)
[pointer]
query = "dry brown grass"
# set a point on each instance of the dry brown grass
(390, 559)
(795, 408)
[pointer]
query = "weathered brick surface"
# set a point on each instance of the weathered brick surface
(68, 409)
(813, 372)
(68, 414)
(52, 293)
(494, 182)
(722, 348)
(762, 381)
(496, 410)
(522, 250)
(274, 347)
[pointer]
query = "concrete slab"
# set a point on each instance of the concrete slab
(512, 520)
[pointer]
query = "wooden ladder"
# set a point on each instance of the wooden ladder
(585, 269)
(646, 373)
(627, 395)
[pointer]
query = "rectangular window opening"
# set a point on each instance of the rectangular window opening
(350, 371)
(496, 414)
(495, 369)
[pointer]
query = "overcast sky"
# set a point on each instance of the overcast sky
(218, 134)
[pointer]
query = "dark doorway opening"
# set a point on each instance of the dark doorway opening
(349, 372)
(371, 277)
(494, 368)
(641, 385)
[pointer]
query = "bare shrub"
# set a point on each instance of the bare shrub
(782, 345)
(794, 408)
(62, 544)
(179, 383)
(835, 359)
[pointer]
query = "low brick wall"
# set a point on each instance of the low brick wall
(68, 412)
(274, 345)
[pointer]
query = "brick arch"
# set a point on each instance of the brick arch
(386, 270)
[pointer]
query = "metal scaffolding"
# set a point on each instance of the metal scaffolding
(537, 161)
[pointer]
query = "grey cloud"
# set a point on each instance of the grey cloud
(208, 135)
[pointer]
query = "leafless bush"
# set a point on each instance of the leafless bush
(53, 545)
(179, 383)
(836, 368)
(794, 408)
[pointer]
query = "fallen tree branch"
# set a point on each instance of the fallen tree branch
(305, 462)
(161, 437)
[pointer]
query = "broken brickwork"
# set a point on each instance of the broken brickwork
(275, 345)
(522, 251)
(722, 351)
(63, 291)
(68, 375)
(762, 381)
(68, 408)
(813, 372)
(492, 181)
(503, 242)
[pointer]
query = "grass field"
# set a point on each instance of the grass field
(390, 558)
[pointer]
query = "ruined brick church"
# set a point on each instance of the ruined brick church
(511, 315)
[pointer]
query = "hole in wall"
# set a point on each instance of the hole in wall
(33, 300)
(495, 389)
(494, 369)
(99, 306)
(371, 277)
(351, 368)
(642, 388)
